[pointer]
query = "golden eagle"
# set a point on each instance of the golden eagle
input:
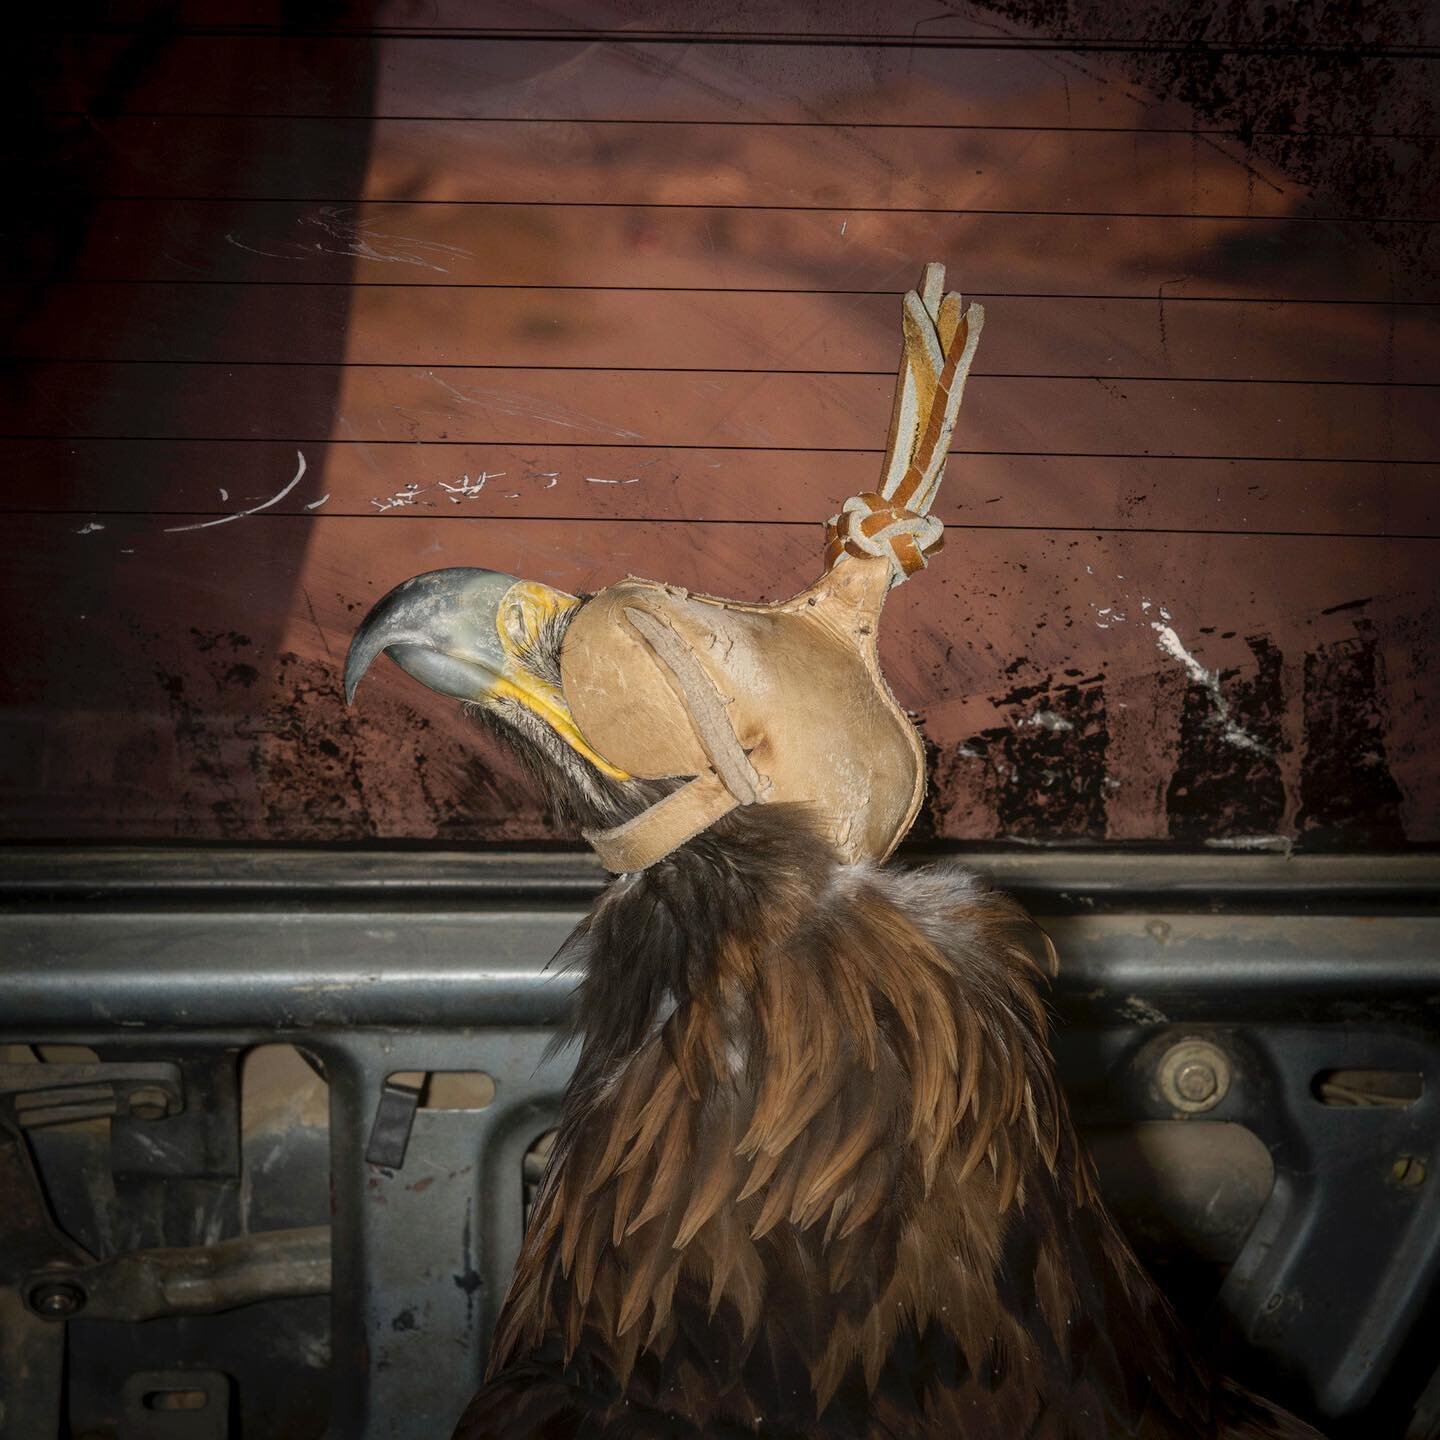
(813, 1175)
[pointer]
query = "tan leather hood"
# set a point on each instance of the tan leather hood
(755, 704)
(660, 681)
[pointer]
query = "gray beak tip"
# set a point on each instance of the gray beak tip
(363, 650)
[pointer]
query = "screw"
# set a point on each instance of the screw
(149, 1103)
(1196, 1080)
(1193, 1075)
(57, 1299)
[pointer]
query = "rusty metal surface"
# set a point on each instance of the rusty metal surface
(201, 1280)
(34, 1352)
(178, 1285)
(87, 1092)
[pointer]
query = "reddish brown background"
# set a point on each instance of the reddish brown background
(639, 265)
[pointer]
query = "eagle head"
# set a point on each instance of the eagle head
(651, 713)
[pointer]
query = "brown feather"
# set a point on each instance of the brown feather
(772, 1040)
(716, 1176)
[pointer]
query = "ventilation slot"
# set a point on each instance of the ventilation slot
(1353, 1088)
(448, 1089)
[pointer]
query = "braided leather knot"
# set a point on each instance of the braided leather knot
(869, 524)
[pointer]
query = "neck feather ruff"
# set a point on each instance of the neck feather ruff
(813, 1167)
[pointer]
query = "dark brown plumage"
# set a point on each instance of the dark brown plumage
(814, 1177)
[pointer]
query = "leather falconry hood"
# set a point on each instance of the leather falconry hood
(757, 703)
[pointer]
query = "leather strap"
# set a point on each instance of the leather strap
(665, 826)
(684, 813)
(704, 706)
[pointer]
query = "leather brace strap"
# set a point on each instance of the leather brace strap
(684, 813)
(704, 705)
(665, 826)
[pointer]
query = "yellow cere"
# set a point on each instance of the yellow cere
(523, 612)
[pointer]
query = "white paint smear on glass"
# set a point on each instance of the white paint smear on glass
(253, 510)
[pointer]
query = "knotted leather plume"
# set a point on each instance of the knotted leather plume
(895, 521)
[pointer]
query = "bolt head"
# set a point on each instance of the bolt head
(1196, 1080)
(57, 1299)
(1193, 1075)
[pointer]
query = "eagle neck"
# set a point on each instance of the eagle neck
(685, 930)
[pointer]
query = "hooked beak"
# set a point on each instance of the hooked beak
(465, 633)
